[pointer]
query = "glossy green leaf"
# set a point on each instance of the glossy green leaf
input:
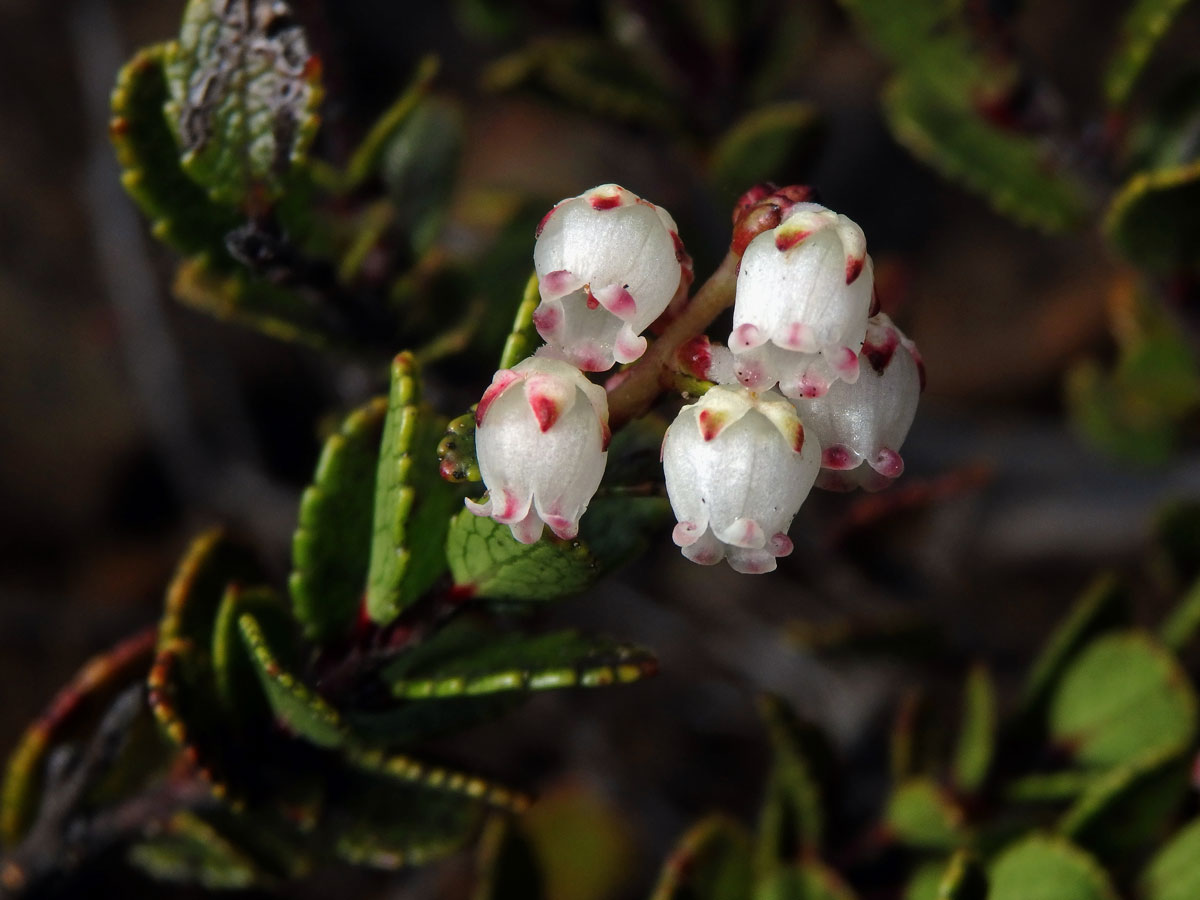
(409, 724)
(1123, 697)
(189, 850)
(793, 815)
(406, 769)
(594, 76)
(767, 144)
(332, 545)
(296, 706)
(1011, 170)
(710, 862)
(419, 169)
(413, 504)
(617, 529)
(1145, 23)
(366, 826)
(925, 881)
(179, 210)
(524, 338)
(1053, 787)
(198, 586)
(1126, 808)
(921, 814)
(807, 880)
(1102, 607)
(977, 734)
(1174, 872)
(468, 661)
(1046, 868)
(1181, 625)
(487, 561)
(234, 670)
(244, 91)
(1154, 219)
(506, 865)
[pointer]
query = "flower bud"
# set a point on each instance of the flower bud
(541, 440)
(861, 426)
(762, 208)
(608, 264)
(737, 466)
(803, 297)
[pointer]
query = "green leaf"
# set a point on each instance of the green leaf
(921, 814)
(487, 561)
(296, 706)
(409, 724)
(331, 548)
(233, 668)
(807, 880)
(1123, 697)
(977, 736)
(1184, 621)
(464, 660)
(419, 169)
(244, 91)
(710, 862)
(1103, 606)
(1126, 807)
(1145, 23)
(591, 75)
(617, 529)
(964, 879)
(413, 504)
(506, 865)
(1154, 218)
(409, 770)
(197, 589)
(1052, 787)
(179, 211)
(767, 144)
(388, 824)
(1045, 868)
(523, 338)
(925, 881)
(189, 850)
(793, 814)
(1174, 872)
(1011, 170)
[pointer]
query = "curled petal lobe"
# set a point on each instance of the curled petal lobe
(500, 381)
(549, 397)
(743, 533)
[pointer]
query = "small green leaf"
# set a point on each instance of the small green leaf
(413, 504)
(793, 813)
(1123, 697)
(189, 850)
(977, 736)
(921, 814)
(486, 560)
(1126, 807)
(767, 144)
(470, 661)
(409, 770)
(179, 211)
(244, 95)
(198, 586)
(617, 529)
(1145, 23)
(590, 75)
(964, 879)
(332, 545)
(1174, 872)
(1053, 787)
(234, 670)
(1011, 170)
(1154, 219)
(296, 706)
(506, 865)
(1046, 868)
(807, 880)
(925, 881)
(1101, 607)
(523, 338)
(419, 168)
(710, 862)
(409, 724)
(1181, 625)
(388, 824)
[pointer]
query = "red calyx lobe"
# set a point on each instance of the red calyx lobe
(762, 208)
(695, 356)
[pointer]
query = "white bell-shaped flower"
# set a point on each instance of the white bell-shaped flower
(862, 426)
(541, 439)
(803, 297)
(738, 464)
(608, 264)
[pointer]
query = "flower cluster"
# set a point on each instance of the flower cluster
(815, 385)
